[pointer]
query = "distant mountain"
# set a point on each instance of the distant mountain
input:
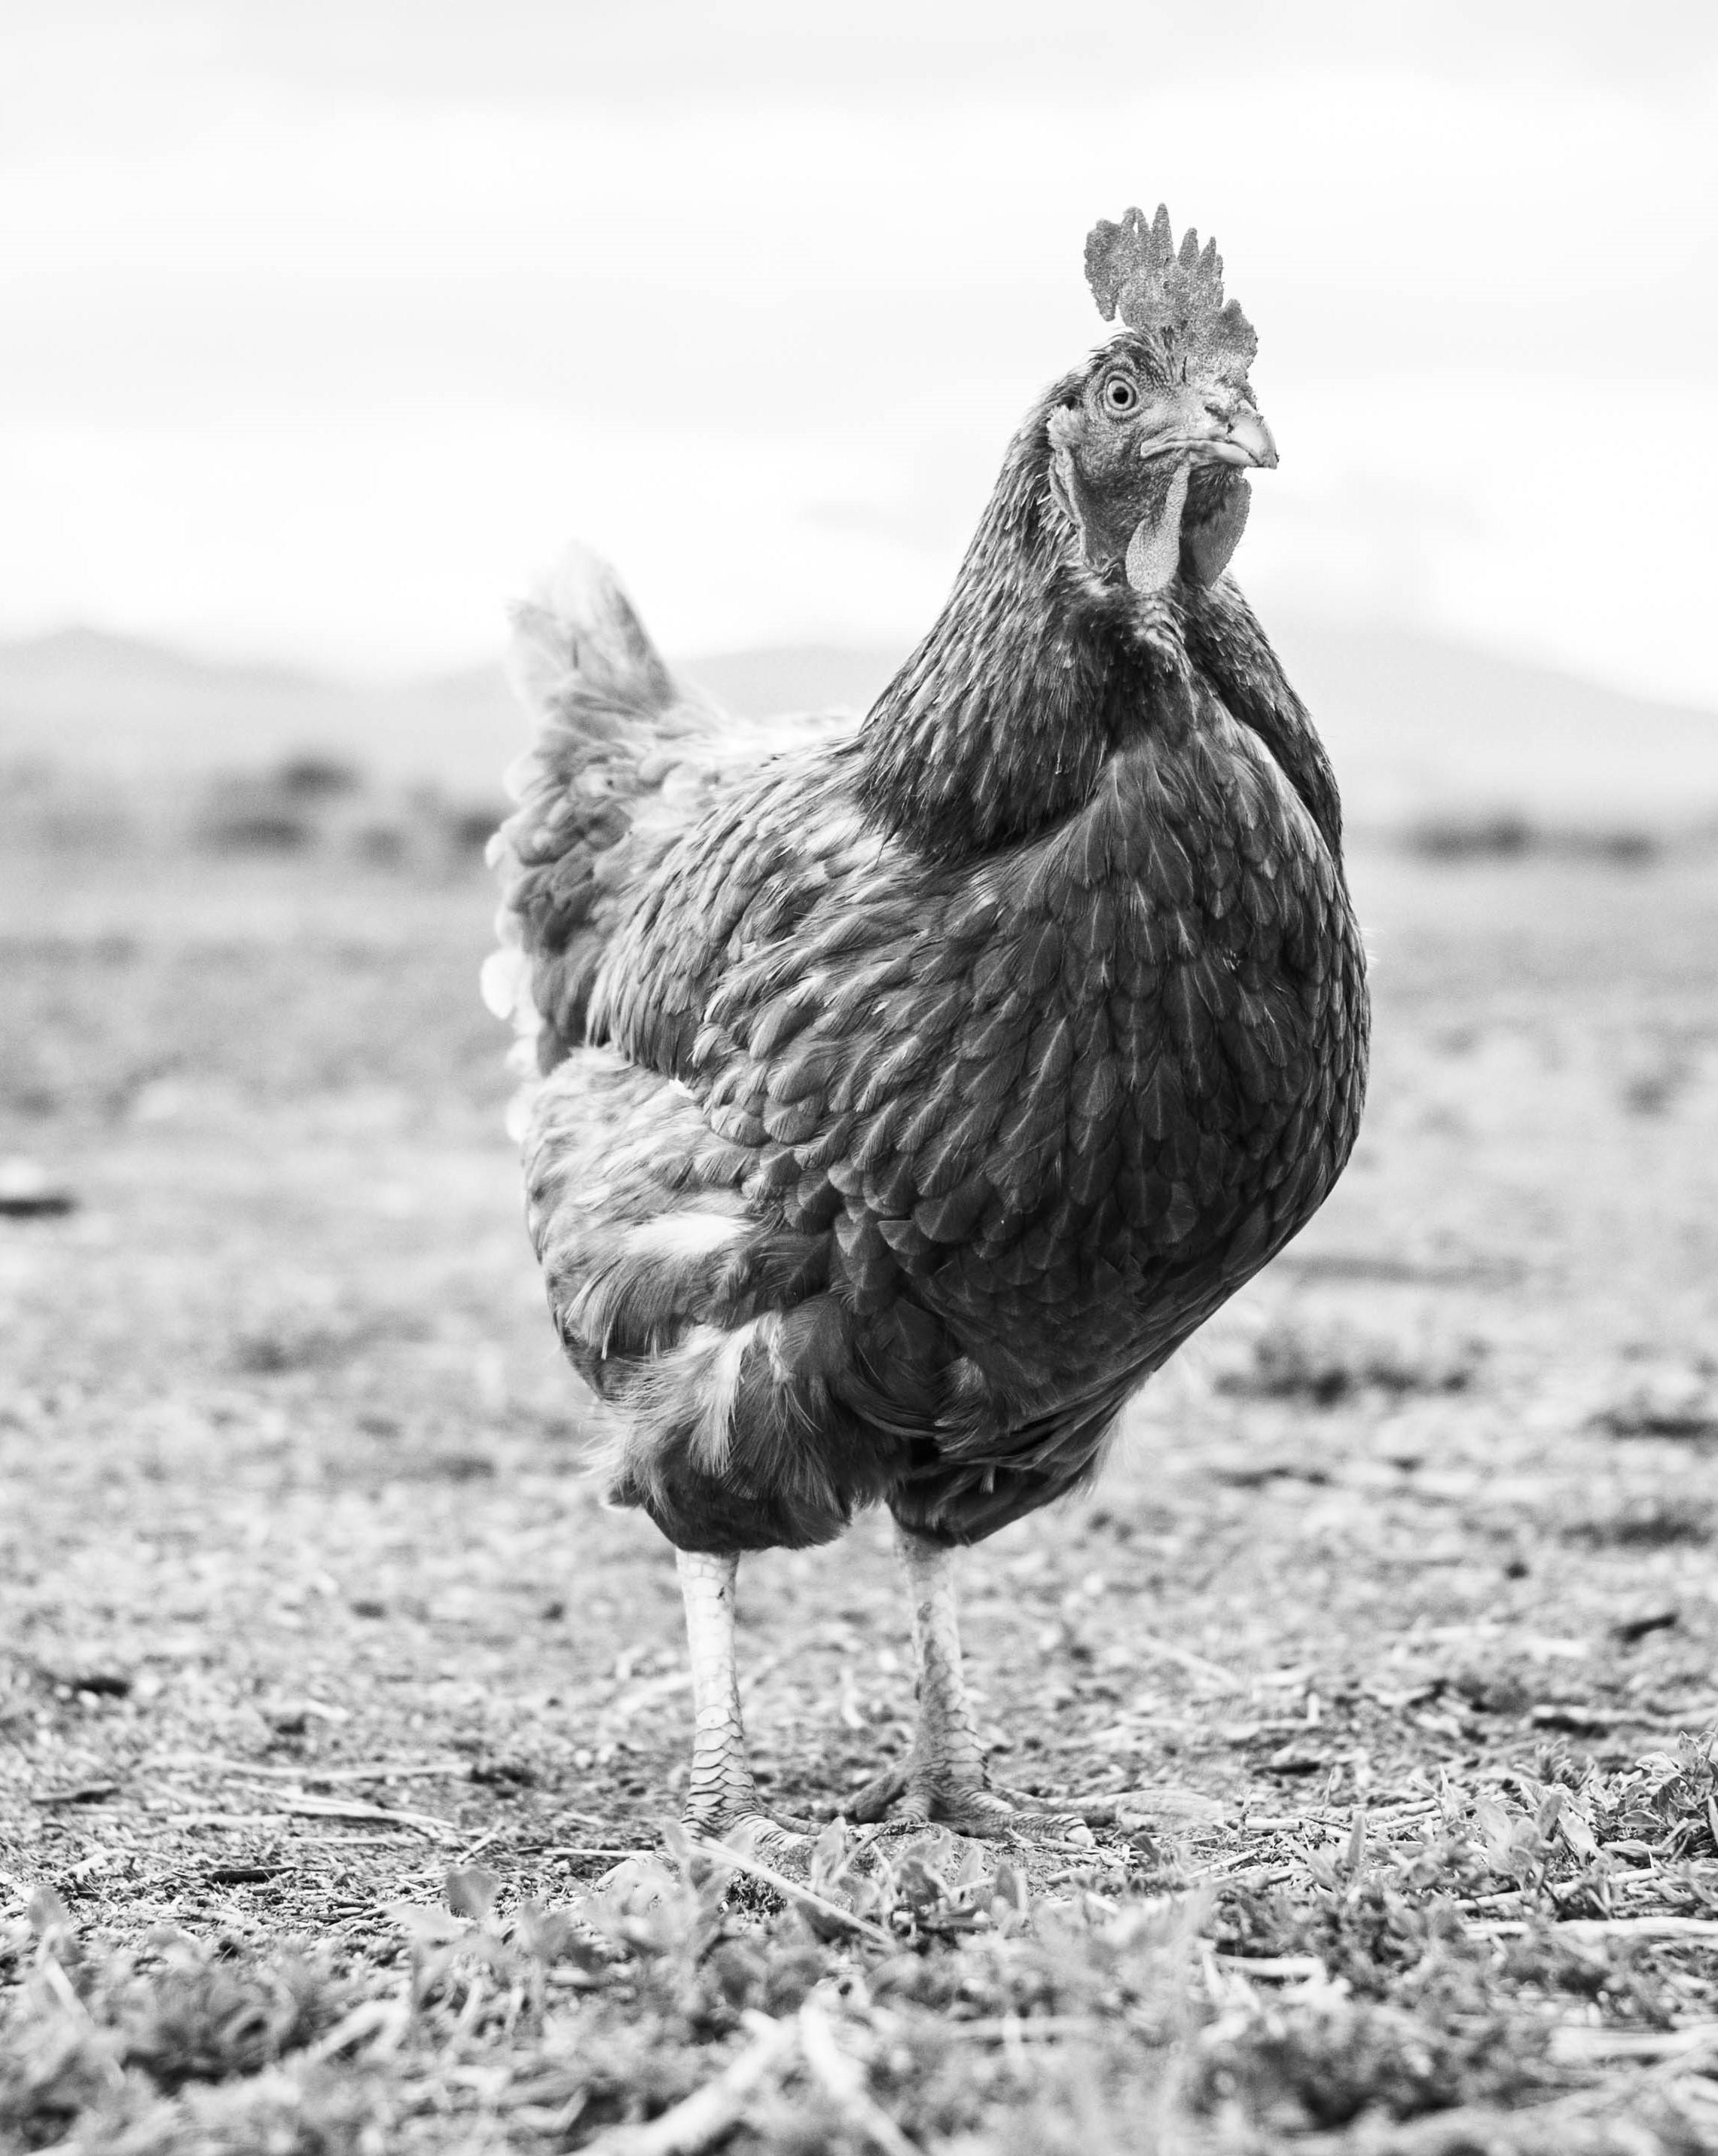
(82, 698)
(74, 662)
(1416, 726)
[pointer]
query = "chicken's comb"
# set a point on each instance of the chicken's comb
(1172, 294)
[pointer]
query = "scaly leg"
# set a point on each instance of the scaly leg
(722, 1796)
(943, 1777)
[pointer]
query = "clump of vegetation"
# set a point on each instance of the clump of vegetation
(320, 803)
(284, 1340)
(1508, 835)
(914, 1990)
(310, 803)
(1678, 1402)
(312, 776)
(256, 816)
(84, 2033)
(1654, 1520)
(1486, 835)
(1327, 1365)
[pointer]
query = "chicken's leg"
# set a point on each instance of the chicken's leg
(722, 1796)
(943, 1777)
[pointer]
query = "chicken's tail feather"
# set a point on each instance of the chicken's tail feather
(578, 637)
(623, 756)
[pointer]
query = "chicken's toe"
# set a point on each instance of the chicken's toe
(782, 1844)
(918, 1792)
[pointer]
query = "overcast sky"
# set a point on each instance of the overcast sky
(326, 323)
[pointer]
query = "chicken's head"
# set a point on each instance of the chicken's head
(1151, 441)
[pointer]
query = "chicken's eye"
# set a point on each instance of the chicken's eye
(1119, 394)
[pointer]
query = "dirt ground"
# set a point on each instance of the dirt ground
(331, 1699)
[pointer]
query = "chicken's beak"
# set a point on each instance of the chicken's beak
(1213, 433)
(1244, 441)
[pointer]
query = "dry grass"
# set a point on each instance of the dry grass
(325, 1689)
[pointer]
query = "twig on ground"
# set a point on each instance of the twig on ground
(382, 2023)
(612, 1855)
(1166, 1650)
(1579, 2043)
(843, 2080)
(698, 2122)
(627, 1702)
(454, 1770)
(755, 1677)
(790, 1890)
(64, 1990)
(1604, 1927)
(1572, 1715)
(300, 1805)
(345, 1841)
(1281, 1968)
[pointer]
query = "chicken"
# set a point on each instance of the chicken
(905, 1092)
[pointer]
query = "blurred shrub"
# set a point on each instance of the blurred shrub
(382, 845)
(471, 826)
(1325, 1366)
(42, 810)
(1487, 836)
(310, 802)
(1509, 834)
(313, 777)
(253, 816)
(1644, 1522)
(1678, 1402)
(1627, 849)
(317, 802)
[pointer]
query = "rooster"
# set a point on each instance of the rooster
(904, 1093)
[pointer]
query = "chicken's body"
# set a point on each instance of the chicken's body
(907, 1093)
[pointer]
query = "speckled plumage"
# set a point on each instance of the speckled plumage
(906, 1093)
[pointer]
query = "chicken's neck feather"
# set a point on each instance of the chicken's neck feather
(1001, 720)
(1225, 643)
(1037, 669)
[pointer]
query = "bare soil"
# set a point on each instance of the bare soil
(329, 1698)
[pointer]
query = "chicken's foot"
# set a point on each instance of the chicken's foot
(722, 1801)
(944, 1777)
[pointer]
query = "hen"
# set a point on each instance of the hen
(906, 1092)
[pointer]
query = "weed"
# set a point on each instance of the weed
(1327, 1365)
